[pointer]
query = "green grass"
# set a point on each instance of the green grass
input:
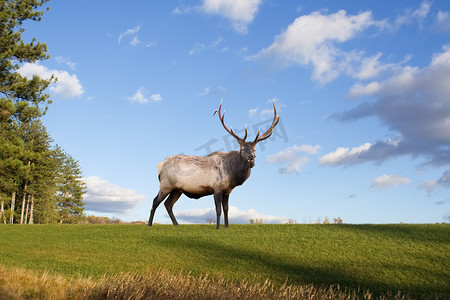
(414, 259)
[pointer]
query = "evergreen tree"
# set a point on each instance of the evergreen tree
(37, 183)
(20, 98)
(11, 170)
(70, 188)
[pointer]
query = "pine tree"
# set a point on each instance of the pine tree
(39, 179)
(20, 98)
(37, 183)
(11, 170)
(70, 187)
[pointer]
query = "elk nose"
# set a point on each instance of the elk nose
(251, 157)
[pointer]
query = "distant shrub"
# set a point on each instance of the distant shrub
(258, 221)
(102, 220)
(337, 220)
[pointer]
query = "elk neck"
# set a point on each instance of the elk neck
(237, 168)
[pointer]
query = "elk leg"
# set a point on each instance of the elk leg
(225, 209)
(218, 202)
(156, 202)
(173, 197)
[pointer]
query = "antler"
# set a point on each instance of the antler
(258, 138)
(230, 131)
(269, 131)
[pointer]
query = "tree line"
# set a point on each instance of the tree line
(39, 181)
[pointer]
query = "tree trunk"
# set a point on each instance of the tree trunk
(24, 195)
(31, 210)
(26, 210)
(13, 204)
(2, 212)
(23, 206)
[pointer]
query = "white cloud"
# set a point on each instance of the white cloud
(315, 39)
(217, 42)
(103, 196)
(422, 11)
(411, 16)
(359, 90)
(66, 86)
(156, 97)
(444, 181)
(344, 155)
(132, 37)
(371, 67)
(239, 13)
(430, 186)
(178, 10)
(201, 46)
(66, 61)
(309, 149)
(294, 165)
(150, 44)
(197, 48)
(412, 103)
(443, 20)
(130, 32)
(212, 91)
(235, 216)
(385, 181)
(264, 113)
(312, 40)
(252, 112)
(141, 96)
(291, 158)
(135, 41)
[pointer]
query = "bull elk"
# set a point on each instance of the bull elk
(215, 174)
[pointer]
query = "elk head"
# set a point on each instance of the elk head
(247, 149)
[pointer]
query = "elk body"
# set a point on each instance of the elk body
(215, 174)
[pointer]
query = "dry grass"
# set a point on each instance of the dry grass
(18, 283)
(24, 284)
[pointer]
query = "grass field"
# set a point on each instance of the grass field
(413, 259)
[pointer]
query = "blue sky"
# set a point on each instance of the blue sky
(362, 89)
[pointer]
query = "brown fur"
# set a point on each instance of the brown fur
(215, 174)
(195, 176)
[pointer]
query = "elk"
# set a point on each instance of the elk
(215, 174)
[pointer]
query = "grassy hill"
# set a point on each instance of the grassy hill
(413, 259)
